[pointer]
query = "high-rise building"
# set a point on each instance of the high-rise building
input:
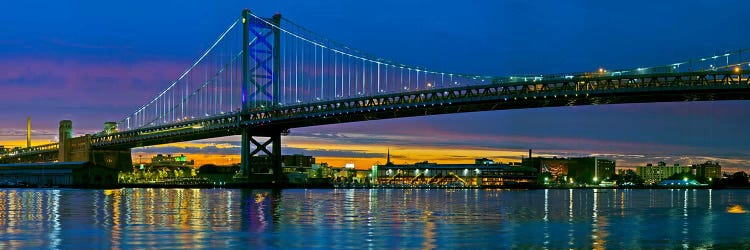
(654, 174)
(590, 169)
(708, 170)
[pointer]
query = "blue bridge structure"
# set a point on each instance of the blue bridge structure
(265, 76)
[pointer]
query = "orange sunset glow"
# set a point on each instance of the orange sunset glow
(399, 155)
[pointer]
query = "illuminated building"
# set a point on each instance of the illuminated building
(654, 174)
(171, 161)
(708, 170)
(680, 183)
(353, 175)
(581, 169)
(590, 169)
(557, 167)
(425, 174)
(484, 161)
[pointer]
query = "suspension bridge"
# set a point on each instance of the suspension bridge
(265, 76)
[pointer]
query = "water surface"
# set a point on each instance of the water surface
(374, 219)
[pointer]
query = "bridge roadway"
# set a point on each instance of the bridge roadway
(549, 92)
(39, 153)
(555, 92)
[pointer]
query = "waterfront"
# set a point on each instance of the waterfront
(373, 218)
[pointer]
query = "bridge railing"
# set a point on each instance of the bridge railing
(738, 60)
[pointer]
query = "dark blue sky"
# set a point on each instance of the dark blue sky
(93, 61)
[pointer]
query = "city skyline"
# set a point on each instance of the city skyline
(62, 73)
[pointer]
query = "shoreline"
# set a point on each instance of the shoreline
(324, 186)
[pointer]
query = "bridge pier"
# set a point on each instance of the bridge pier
(260, 159)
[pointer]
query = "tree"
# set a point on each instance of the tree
(631, 177)
(319, 173)
(544, 177)
(738, 179)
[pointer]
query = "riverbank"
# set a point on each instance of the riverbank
(332, 186)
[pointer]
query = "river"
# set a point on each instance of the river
(373, 218)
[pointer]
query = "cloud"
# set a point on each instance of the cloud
(233, 148)
(191, 148)
(333, 153)
(85, 83)
(447, 139)
(89, 92)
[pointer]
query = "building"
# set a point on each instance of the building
(654, 174)
(63, 174)
(590, 170)
(484, 161)
(290, 163)
(171, 161)
(579, 170)
(322, 170)
(557, 167)
(680, 183)
(298, 160)
(480, 174)
(708, 170)
(350, 175)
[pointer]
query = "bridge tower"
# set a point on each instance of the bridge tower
(260, 91)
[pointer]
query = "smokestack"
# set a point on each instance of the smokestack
(28, 131)
(529, 154)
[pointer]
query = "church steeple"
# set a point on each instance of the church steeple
(388, 161)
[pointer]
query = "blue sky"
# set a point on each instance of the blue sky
(94, 61)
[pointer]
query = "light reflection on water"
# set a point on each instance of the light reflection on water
(375, 219)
